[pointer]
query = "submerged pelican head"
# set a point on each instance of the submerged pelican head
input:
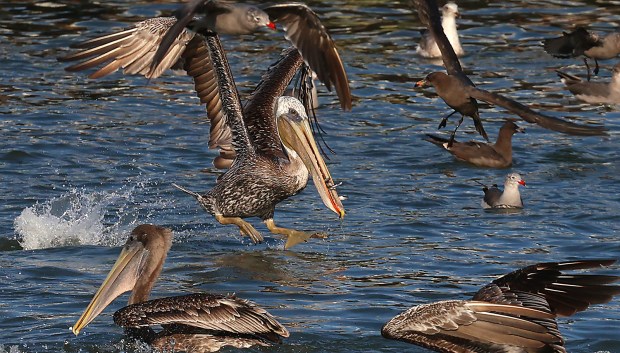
(136, 270)
(295, 132)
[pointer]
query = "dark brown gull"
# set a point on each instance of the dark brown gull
(496, 155)
(303, 29)
(459, 92)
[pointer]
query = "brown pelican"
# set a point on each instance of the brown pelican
(514, 313)
(460, 93)
(199, 322)
(269, 139)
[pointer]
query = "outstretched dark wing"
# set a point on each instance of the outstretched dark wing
(211, 312)
(306, 32)
(533, 117)
(565, 294)
(198, 64)
(571, 44)
(260, 108)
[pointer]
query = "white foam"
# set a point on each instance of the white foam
(10, 349)
(76, 218)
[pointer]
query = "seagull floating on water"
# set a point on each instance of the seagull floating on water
(594, 92)
(509, 198)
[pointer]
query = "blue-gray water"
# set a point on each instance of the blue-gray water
(83, 161)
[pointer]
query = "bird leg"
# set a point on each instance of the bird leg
(245, 227)
(444, 121)
(294, 237)
(585, 60)
(595, 67)
(454, 132)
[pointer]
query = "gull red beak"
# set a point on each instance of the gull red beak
(522, 182)
(420, 83)
(271, 25)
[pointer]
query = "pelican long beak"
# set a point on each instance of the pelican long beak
(296, 134)
(121, 279)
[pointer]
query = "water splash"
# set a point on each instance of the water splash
(9, 349)
(78, 217)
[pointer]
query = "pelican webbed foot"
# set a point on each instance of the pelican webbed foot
(294, 237)
(245, 227)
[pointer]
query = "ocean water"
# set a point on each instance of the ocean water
(82, 162)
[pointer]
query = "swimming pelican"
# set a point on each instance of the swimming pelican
(270, 139)
(199, 322)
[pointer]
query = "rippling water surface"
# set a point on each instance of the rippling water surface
(84, 161)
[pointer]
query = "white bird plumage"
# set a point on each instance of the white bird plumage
(428, 47)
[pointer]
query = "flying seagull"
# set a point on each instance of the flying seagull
(459, 92)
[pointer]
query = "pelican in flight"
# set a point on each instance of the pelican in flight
(267, 144)
(199, 322)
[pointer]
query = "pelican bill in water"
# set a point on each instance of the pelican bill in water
(514, 313)
(199, 322)
(270, 164)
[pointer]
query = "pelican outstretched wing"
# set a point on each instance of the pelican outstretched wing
(133, 51)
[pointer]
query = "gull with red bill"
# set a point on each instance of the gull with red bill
(509, 198)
